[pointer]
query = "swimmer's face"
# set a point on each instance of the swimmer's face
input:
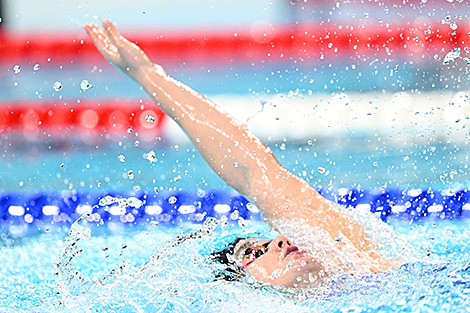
(282, 263)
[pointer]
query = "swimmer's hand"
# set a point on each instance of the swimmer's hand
(122, 53)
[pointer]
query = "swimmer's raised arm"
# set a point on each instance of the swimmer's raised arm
(231, 150)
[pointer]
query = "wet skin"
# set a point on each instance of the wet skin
(285, 264)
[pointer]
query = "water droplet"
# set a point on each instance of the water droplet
(448, 18)
(129, 130)
(36, 67)
(453, 26)
(172, 200)
(151, 156)
(122, 158)
(149, 118)
(451, 56)
(156, 190)
(85, 85)
(57, 86)
(62, 165)
(136, 143)
(321, 170)
(16, 69)
(130, 174)
(154, 223)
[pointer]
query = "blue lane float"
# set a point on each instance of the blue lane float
(174, 207)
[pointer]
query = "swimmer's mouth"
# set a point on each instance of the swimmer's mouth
(291, 250)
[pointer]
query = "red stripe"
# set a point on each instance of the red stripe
(107, 117)
(250, 45)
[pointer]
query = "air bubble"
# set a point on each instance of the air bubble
(57, 86)
(321, 170)
(172, 200)
(453, 26)
(122, 158)
(85, 85)
(36, 67)
(136, 143)
(129, 130)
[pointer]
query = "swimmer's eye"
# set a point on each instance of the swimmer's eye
(253, 253)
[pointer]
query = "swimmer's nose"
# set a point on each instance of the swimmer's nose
(279, 243)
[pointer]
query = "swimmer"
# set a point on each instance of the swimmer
(248, 166)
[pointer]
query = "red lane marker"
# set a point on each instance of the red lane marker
(274, 43)
(105, 116)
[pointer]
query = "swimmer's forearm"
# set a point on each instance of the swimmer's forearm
(233, 152)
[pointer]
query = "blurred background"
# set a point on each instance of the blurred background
(354, 93)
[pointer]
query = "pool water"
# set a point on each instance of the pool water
(145, 269)
(351, 162)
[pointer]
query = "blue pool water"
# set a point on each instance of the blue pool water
(139, 266)
(180, 280)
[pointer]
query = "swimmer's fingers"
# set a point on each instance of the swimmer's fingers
(103, 42)
(114, 34)
(129, 52)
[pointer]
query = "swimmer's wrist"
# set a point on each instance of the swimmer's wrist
(150, 74)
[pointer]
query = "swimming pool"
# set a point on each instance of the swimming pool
(149, 257)
(109, 276)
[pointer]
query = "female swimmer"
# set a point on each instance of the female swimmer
(248, 166)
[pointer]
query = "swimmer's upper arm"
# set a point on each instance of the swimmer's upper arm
(285, 195)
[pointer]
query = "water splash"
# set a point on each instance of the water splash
(69, 281)
(122, 202)
(451, 56)
(163, 283)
